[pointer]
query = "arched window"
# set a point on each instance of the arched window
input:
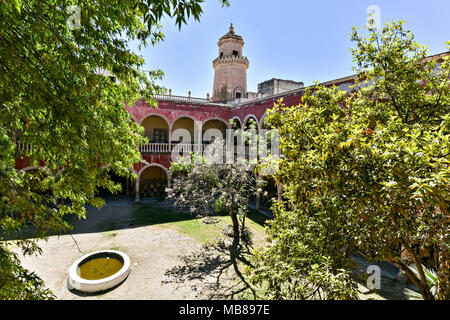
(238, 93)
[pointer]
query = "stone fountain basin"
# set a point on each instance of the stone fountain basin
(75, 281)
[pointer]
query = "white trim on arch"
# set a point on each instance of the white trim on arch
(134, 171)
(247, 117)
(239, 120)
(157, 115)
(186, 116)
(236, 90)
(227, 124)
(29, 168)
(23, 170)
(262, 121)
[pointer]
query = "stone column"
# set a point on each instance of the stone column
(198, 137)
(170, 139)
(138, 196)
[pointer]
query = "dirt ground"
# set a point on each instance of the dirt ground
(152, 251)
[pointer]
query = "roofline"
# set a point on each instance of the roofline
(293, 91)
(201, 101)
(437, 56)
(188, 100)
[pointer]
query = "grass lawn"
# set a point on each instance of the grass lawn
(189, 224)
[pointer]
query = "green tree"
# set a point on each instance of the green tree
(65, 73)
(364, 171)
(204, 187)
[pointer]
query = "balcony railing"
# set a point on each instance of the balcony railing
(145, 148)
(181, 98)
(184, 147)
(165, 147)
(181, 147)
(23, 147)
(155, 148)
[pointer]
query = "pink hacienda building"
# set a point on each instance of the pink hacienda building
(231, 105)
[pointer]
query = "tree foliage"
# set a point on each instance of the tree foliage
(205, 187)
(62, 89)
(363, 171)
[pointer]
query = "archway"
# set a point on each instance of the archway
(184, 130)
(153, 181)
(263, 123)
(235, 123)
(251, 130)
(156, 128)
(185, 135)
(126, 184)
(238, 93)
(250, 121)
(212, 129)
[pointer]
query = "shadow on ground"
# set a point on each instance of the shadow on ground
(91, 294)
(121, 213)
(393, 283)
(215, 271)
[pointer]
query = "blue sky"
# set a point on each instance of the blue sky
(288, 39)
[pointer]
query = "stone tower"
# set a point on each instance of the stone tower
(230, 69)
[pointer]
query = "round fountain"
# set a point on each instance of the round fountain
(99, 271)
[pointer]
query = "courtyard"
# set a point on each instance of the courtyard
(168, 254)
(293, 152)
(154, 236)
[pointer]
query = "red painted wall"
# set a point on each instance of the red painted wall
(259, 108)
(171, 111)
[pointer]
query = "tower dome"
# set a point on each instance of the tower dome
(230, 68)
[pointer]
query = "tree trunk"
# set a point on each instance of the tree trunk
(235, 221)
(443, 274)
(423, 289)
(421, 281)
